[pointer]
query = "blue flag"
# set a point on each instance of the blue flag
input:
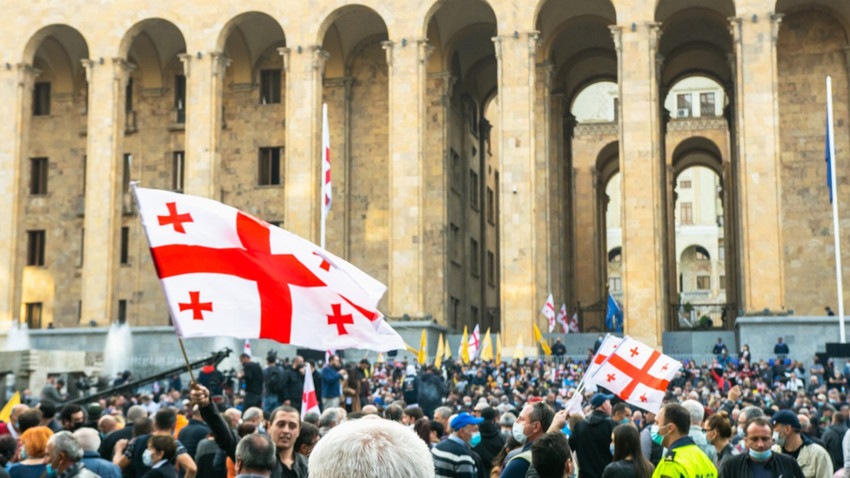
(614, 317)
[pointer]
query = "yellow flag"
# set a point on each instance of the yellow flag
(539, 338)
(412, 350)
(447, 350)
(464, 349)
(380, 357)
(438, 359)
(7, 409)
(498, 348)
(486, 347)
(519, 353)
(423, 349)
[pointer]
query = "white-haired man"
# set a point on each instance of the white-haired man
(89, 439)
(697, 412)
(371, 447)
(64, 456)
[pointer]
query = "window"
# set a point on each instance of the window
(721, 249)
(128, 96)
(180, 98)
(127, 169)
(473, 315)
(491, 268)
(491, 206)
(615, 284)
(455, 179)
(82, 246)
(269, 87)
(35, 248)
(683, 105)
(269, 173)
(685, 184)
(41, 99)
(456, 245)
(455, 307)
(616, 109)
(722, 282)
(33, 318)
(686, 213)
(703, 282)
(473, 189)
(177, 162)
(79, 311)
(496, 192)
(473, 257)
(701, 254)
(122, 311)
(615, 255)
(38, 176)
(125, 245)
(706, 104)
(85, 164)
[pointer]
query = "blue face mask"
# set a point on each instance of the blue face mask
(624, 421)
(475, 440)
(760, 455)
(51, 473)
(611, 447)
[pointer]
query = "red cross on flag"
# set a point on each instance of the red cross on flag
(226, 273)
(574, 323)
(548, 311)
(636, 373)
(474, 344)
(562, 319)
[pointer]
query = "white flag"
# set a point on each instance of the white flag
(326, 163)
(474, 344)
(309, 402)
(548, 311)
(247, 349)
(562, 319)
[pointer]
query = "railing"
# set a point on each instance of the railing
(689, 316)
(130, 124)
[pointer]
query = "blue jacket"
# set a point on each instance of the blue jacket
(330, 382)
(96, 464)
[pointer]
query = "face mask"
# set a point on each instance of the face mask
(518, 434)
(741, 431)
(261, 429)
(760, 455)
(624, 421)
(779, 441)
(51, 473)
(657, 438)
(23, 454)
(475, 440)
(611, 447)
(147, 459)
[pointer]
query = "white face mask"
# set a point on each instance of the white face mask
(517, 432)
(147, 458)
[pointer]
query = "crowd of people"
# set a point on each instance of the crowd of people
(732, 417)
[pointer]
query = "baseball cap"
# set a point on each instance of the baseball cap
(599, 398)
(786, 417)
(464, 419)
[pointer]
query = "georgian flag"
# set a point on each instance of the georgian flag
(225, 273)
(309, 402)
(548, 311)
(574, 322)
(474, 344)
(562, 319)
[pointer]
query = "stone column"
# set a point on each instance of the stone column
(303, 68)
(521, 295)
(103, 199)
(642, 186)
(204, 78)
(407, 82)
(337, 95)
(16, 85)
(547, 219)
(762, 271)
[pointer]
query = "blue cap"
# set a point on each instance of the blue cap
(599, 398)
(463, 420)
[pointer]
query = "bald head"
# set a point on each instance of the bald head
(136, 412)
(107, 424)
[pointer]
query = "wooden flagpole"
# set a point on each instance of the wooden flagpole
(186, 358)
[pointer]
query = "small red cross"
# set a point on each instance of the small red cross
(196, 306)
(339, 320)
(174, 219)
(664, 368)
(612, 377)
(634, 351)
(325, 264)
(643, 398)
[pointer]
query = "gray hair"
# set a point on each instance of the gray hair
(752, 412)
(257, 452)
(329, 418)
(695, 410)
(88, 437)
(64, 442)
(445, 412)
(507, 419)
(136, 412)
(311, 417)
(253, 414)
(371, 447)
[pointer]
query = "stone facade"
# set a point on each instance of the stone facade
(432, 105)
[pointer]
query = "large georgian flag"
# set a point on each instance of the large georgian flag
(548, 311)
(226, 273)
(636, 372)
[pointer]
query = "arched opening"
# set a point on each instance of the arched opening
(596, 103)
(614, 237)
(462, 174)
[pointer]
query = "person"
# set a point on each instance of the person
(443, 415)
(454, 457)
(813, 459)
(351, 389)
(90, 441)
(133, 452)
(620, 413)
(50, 393)
(307, 439)
(533, 421)
(558, 351)
(431, 391)
(64, 457)
(107, 444)
(833, 436)
(7, 451)
(744, 354)
(72, 417)
(696, 412)
(252, 377)
(829, 311)
(718, 432)
(591, 438)
(159, 455)
(254, 456)
(781, 349)
(719, 347)
(194, 431)
(683, 458)
(34, 445)
(331, 380)
(283, 427)
(651, 451)
(293, 383)
(372, 447)
(410, 386)
(551, 456)
(273, 383)
(491, 439)
(211, 378)
(629, 461)
(759, 460)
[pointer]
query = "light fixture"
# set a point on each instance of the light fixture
(634, 26)
(516, 34)
(101, 60)
(755, 18)
(298, 49)
(198, 55)
(404, 42)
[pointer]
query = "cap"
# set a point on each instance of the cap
(464, 419)
(599, 398)
(786, 417)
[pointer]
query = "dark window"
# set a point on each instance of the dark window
(41, 99)
(269, 87)
(82, 246)
(455, 307)
(180, 97)
(455, 179)
(269, 173)
(85, 164)
(706, 104)
(177, 163)
(456, 244)
(473, 312)
(491, 206)
(33, 311)
(683, 105)
(35, 248)
(38, 176)
(125, 175)
(491, 268)
(686, 213)
(473, 257)
(615, 255)
(128, 96)
(701, 254)
(685, 184)
(496, 192)
(122, 311)
(616, 109)
(473, 189)
(125, 245)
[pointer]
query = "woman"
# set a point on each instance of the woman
(351, 390)
(718, 432)
(34, 444)
(628, 462)
(422, 427)
(744, 355)
(159, 454)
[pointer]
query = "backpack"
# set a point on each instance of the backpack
(274, 380)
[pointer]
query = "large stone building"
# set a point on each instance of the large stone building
(462, 177)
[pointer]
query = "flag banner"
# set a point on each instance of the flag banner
(562, 319)
(498, 348)
(614, 317)
(438, 359)
(463, 350)
(326, 163)
(226, 273)
(608, 346)
(637, 373)
(828, 155)
(423, 348)
(539, 338)
(548, 311)
(309, 402)
(574, 323)
(486, 347)
(474, 343)
(247, 348)
(7, 409)
(447, 350)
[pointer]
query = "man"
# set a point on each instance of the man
(106, 425)
(48, 416)
(533, 421)
(72, 417)
(781, 349)
(551, 456)
(620, 413)
(331, 383)
(833, 437)
(254, 456)
(164, 423)
(371, 447)
(454, 457)
(329, 419)
(491, 440)
(506, 424)
(410, 386)
(63, 455)
(696, 412)
(273, 381)
(558, 351)
(719, 347)
(90, 441)
(683, 459)
(252, 377)
(813, 459)
(759, 460)
(283, 428)
(431, 391)
(362, 374)
(442, 415)
(194, 431)
(651, 451)
(107, 445)
(293, 383)
(51, 392)
(592, 436)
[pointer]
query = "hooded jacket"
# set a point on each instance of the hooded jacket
(590, 440)
(491, 443)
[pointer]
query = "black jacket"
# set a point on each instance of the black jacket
(430, 395)
(559, 349)
(590, 440)
(192, 434)
(491, 443)
(779, 465)
(293, 387)
(832, 438)
(107, 446)
(253, 378)
(165, 471)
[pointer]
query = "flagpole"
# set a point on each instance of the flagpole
(322, 161)
(186, 358)
(834, 200)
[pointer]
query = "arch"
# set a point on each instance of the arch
(57, 50)
(615, 254)
(72, 40)
(586, 96)
(153, 44)
(475, 9)
(692, 249)
(460, 44)
(608, 161)
(840, 10)
(589, 29)
(161, 31)
(259, 21)
(664, 9)
(549, 13)
(697, 151)
(346, 31)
